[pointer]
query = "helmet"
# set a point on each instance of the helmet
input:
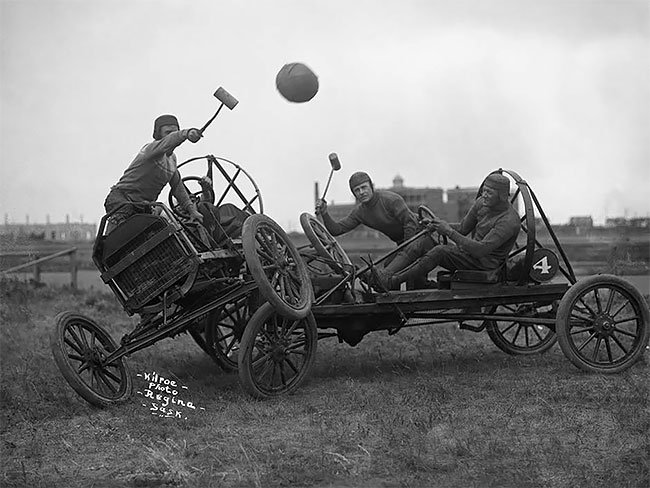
(166, 119)
(359, 177)
(499, 182)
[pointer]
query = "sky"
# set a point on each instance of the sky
(439, 92)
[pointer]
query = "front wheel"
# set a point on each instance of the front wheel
(276, 352)
(603, 324)
(276, 266)
(80, 348)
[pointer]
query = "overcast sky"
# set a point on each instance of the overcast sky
(440, 92)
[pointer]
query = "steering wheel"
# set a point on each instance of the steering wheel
(425, 213)
(324, 243)
(239, 185)
(200, 191)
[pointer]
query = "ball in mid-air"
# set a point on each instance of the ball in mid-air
(296, 82)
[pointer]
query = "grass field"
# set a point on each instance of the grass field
(430, 406)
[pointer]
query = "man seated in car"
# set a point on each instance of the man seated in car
(494, 225)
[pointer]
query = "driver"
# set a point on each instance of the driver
(152, 168)
(494, 225)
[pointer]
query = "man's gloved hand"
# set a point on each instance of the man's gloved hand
(321, 207)
(193, 135)
(442, 227)
(194, 215)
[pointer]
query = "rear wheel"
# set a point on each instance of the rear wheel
(220, 333)
(603, 324)
(523, 338)
(80, 348)
(276, 352)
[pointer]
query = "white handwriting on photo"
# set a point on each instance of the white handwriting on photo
(163, 396)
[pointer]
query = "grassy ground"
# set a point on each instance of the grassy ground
(430, 406)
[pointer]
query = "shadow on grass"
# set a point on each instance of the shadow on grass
(431, 350)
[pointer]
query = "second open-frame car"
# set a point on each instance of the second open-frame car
(257, 304)
(527, 305)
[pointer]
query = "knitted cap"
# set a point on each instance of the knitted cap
(357, 178)
(499, 182)
(166, 119)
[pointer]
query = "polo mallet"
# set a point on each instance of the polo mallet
(226, 99)
(336, 165)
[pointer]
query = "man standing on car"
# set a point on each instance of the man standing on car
(152, 168)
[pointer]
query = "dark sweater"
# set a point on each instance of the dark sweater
(494, 232)
(386, 212)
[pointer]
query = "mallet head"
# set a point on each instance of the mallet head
(334, 162)
(226, 98)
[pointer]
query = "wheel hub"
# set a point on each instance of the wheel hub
(278, 353)
(93, 357)
(604, 325)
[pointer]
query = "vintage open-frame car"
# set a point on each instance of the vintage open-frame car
(257, 304)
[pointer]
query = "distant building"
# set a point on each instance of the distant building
(414, 197)
(585, 222)
(67, 231)
(459, 200)
(640, 222)
(635, 222)
(582, 224)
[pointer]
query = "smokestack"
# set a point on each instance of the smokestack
(67, 218)
(6, 219)
(315, 192)
(47, 219)
(27, 219)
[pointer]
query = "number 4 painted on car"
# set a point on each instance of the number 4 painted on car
(542, 265)
(545, 265)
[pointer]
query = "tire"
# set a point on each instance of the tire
(603, 324)
(78, 342)
(277, 267)
(285, 348)
(519, 338)
(224, 331)
(326, 246)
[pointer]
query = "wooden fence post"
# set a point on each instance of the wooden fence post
(37, 273)
(73, 269)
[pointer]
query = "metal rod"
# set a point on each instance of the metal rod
(397, 249)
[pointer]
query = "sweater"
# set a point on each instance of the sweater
(151, 169)
(386, 212)
(494, 232)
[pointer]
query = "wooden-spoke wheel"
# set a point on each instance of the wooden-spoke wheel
(220, 333)
(523, 338)
(80, 348)
(237, 187)
(277, 267)
(276, 353)
(324, 243)
(603, 324)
